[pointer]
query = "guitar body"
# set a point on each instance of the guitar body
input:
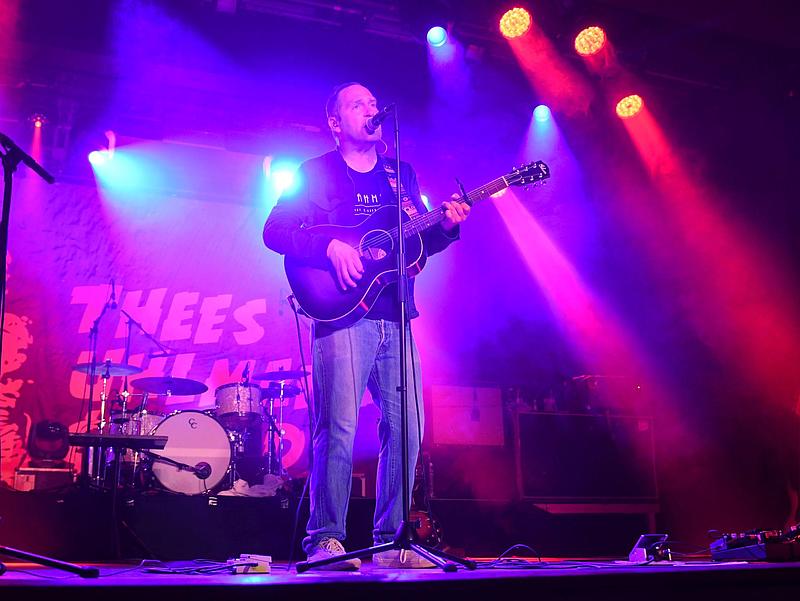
(317, 290)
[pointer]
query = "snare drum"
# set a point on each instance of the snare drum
(143, 423)
(197, 440)
(133, 424)
(238, 405)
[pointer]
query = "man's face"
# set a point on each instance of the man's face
(356, 105)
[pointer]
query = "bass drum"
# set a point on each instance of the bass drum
(195, 439)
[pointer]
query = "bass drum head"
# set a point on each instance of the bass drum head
(192, 438)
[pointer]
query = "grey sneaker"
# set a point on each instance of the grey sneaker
(401, 559)
(331, 547)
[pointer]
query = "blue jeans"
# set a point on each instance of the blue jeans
(346, 362)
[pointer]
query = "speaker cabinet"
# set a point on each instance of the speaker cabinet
(470, 444)
(584, 457)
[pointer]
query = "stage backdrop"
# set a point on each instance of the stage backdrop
(194, 273)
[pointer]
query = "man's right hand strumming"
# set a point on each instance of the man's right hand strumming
(346, 263)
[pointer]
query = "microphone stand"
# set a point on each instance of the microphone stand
(202, 470)
(12, 156)
(165, 351)
(405, 537)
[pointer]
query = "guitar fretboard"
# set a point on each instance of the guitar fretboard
(422, 222)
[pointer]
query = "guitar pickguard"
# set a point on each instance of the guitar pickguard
(370, 246)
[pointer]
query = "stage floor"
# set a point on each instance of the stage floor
(553, 579)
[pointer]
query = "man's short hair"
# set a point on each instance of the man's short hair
(332, 105)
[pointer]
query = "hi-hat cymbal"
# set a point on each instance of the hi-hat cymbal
(281, 374)
(274, 390)
(172, 386)
(113, 369)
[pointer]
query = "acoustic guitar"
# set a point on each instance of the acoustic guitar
(317, 289)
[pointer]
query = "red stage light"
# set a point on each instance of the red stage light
(629, 106)
(38, 120)
(590, 41)
(515, 22)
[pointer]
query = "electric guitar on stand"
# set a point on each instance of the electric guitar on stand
(317, 290)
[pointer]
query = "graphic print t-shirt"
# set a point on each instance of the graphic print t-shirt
(371, 192)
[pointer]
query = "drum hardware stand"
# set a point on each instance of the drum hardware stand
(274, 456)
(404, 538)
(281, 432)
(92, 458)
(12, 156)
(237, 439)
(272, 429)
(276, 428)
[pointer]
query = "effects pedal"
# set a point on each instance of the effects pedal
(250, 563)
(758, 545)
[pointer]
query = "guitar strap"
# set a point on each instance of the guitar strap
(408, 205)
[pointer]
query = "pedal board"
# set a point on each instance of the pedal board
(758, 545)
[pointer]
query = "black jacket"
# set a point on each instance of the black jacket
(323, 193)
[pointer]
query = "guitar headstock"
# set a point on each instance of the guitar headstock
(528, 174)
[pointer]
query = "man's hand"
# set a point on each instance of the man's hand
(454, 213)
(346, 263)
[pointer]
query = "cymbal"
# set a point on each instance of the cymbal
(173, 386)
(114, 369)
(281, 374)
(274, 390)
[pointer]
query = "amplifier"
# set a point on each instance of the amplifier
(470, 453)
(43, 478)
(584, 457)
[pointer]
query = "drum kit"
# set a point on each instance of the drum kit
(242, 437)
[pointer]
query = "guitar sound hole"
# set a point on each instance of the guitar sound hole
(375, 245)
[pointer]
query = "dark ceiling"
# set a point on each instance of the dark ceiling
(770, 22)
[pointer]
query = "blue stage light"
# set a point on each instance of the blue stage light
(98, 157)
(283, 180)
(541, 113)
(283, 176)
(437, 36)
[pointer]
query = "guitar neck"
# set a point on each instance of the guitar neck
(422, 222)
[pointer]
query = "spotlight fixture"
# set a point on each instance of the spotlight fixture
(437, 36)
(590, 41)
(515, 22)
(630, 106)
(38, 120)
(283, 175)
(48, 441)
(99, 158)
(541, 113)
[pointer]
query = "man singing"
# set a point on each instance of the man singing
(344, 187)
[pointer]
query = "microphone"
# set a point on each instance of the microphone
(113, 303)
(246, 373)
(374, 122)
(202, 470)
